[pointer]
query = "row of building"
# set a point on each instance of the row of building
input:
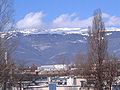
(57, 76)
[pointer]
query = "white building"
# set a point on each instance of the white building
(56, 67)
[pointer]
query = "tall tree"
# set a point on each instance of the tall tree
(97, 42)
(100, 67)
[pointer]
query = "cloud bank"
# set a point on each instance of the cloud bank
(71, 20)
(31, 20)
(35, 20)
(111, 20)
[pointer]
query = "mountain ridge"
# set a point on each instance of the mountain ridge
(82, 31)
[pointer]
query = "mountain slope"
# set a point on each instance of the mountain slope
(58, 45)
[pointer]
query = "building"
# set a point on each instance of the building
(57, 67)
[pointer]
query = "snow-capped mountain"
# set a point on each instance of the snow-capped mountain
(53, 31)
(82, 31)
(55, 45)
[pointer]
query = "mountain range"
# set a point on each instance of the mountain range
(57, 45)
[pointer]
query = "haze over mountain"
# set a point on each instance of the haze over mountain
(57, 45)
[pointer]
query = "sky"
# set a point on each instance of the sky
(64, 13)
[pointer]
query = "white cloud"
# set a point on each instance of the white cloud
(71, 20)
(105, 15)
(35, 20)
(31, 20)
(111, 20)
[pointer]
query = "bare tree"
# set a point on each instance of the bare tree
(110, 71)
(98, 47)
(6, 46)
(97, 54)
(79, 64)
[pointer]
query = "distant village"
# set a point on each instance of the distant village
(56, 77)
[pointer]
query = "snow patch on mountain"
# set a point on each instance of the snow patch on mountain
(59, 54)
(41, 47)
(68, 30)
(108, 34)
(82, 31)
(54, 31)
(77, 41)
(112, 29)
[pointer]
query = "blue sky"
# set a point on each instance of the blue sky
(50, 10)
